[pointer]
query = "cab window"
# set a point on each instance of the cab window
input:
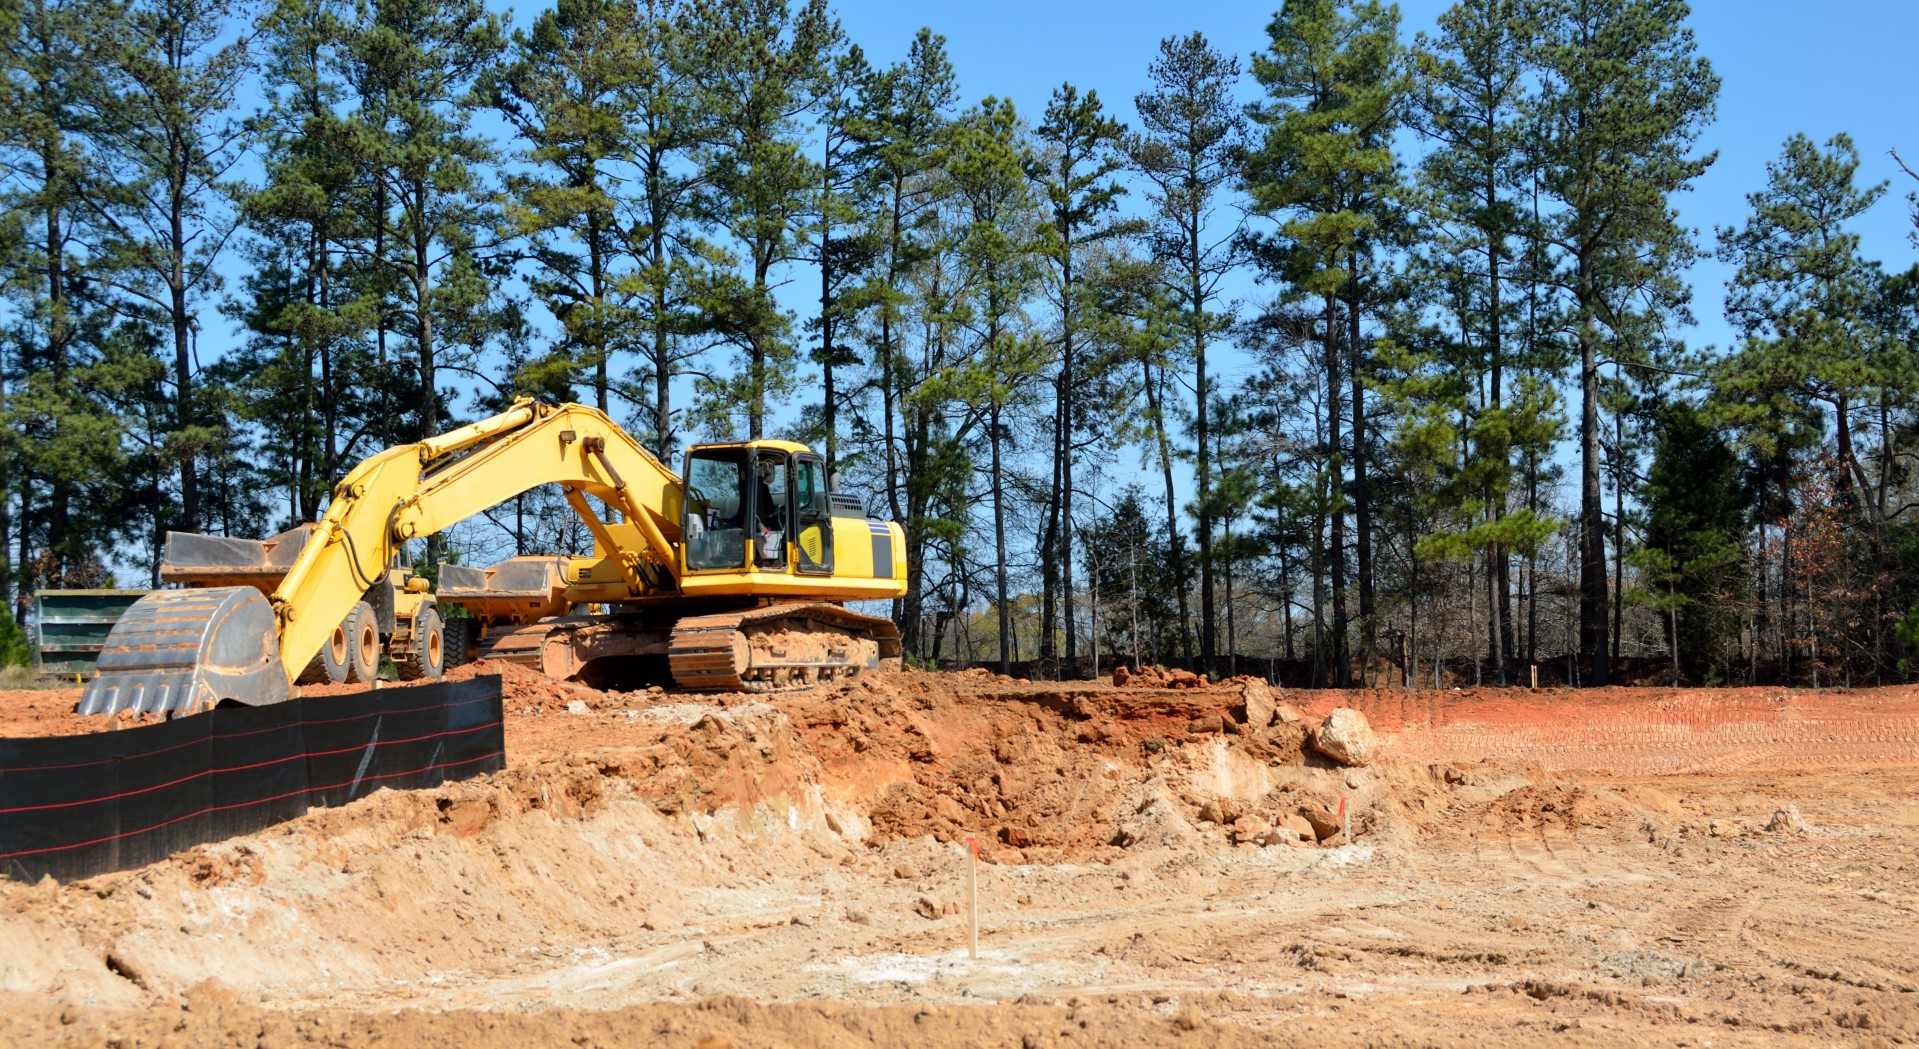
(812, 488)
(716, 526)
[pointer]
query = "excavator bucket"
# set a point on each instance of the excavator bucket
(184, 651)
(517, 589)
(217, 560)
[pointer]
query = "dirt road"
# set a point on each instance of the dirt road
(1614, 867)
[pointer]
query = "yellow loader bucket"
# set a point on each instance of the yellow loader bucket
(186, 651)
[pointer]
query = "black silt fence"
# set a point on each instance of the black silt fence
(76, 806)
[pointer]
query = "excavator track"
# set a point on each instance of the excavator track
(779, 648)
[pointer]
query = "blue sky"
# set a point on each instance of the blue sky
(1785, 67)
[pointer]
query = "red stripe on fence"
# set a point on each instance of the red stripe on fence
(242, 735)
(246, 804)
(243, 768)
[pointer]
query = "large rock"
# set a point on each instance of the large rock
(1261, 703)
(1298, 827)
(1346, 738)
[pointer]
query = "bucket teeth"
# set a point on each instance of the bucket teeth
(182, 651)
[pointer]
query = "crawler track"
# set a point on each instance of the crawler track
(779, 648)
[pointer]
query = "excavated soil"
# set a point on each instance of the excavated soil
(1622, 866)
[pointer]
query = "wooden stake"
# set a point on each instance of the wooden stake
(972, 897)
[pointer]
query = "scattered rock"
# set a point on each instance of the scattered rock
(1261, 703)
(1249, 828)
(1287, 714)
(1211, 724)
(906, 872)
(1299, 827)
(1184, 679)
(1322, 821)
(1728, 828)
(1121, 675)
(1218, 810)
(1346, 738)
(576, 706)
(933, 908)
(858, 917)
(1785, 820)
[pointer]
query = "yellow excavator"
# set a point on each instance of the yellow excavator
(731, 578)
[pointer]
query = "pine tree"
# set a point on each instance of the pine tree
(1320, 172)
(669, 126)
(302, 375)
(987, 162)
(1073, 174)
(846, 242)
(759, 66)
(904, 114)
(566, 89)
(1623, 96)
(1470, 93)
(57, 431)
(1800, 296)
(1808, 309)
(1695, 519)
(1187, 150)
(165, 138)
(433, 210)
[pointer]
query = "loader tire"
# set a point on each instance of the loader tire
(361, 629)
(425, 655)
(333, 663)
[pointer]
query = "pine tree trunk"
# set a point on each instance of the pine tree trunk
(596, 273)
(662, 293)
(1362, 495)
(1335, 495)
(1208, 627)
(1049, 540)
(829, 406)
(1593, 646)
(183, 361)
(60, 494)
(999, 548)
(1155, 404)
(1066, 408)
(1619, 530)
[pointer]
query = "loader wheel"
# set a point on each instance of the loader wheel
(360, 633)
(333, 664)
(425, 656)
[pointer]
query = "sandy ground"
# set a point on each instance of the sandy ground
(1626, 866)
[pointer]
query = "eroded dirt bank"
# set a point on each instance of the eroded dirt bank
(1619, 867)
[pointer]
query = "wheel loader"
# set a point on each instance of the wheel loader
(733, 577)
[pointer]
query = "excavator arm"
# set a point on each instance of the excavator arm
(186, 649)
(416, 490)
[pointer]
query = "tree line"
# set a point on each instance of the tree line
(1460, 437)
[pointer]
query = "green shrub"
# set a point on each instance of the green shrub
(15, 649)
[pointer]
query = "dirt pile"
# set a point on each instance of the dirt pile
(1162, 864)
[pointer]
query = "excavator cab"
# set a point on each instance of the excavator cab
(747, 506)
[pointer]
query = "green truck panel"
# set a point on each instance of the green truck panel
(70, 625)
